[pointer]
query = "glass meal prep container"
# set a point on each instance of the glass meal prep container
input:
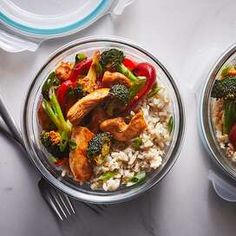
(224, 187)
(31, 130)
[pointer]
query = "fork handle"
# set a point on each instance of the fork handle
(10, 123)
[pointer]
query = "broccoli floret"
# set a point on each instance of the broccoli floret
(99, 147)
(120, 92)
(119, 98)
(225, 89)
(112, 60)
(51, 140)
(53, 110)
(76, 92)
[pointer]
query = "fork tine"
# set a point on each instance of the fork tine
(53, 206)
(55, 196)
(69, 203)
(64, 203)
(59, 201)
(47, 197)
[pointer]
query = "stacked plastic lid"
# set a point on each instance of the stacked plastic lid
(25, 23)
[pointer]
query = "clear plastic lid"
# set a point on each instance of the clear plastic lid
(50, 18)
(26, 23)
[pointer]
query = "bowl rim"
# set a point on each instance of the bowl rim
(97, 199)
(204, 125)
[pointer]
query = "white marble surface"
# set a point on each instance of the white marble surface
(187, 36)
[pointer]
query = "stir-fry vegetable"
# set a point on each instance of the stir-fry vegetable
(119, 97)
(63, 90)
(52, 141)
(148, 71)
(228, 71)
(154, 91)
(51, 81)
(99, 147)
(137, 143)
(129, 63)
(138, 178)
(80, 57)
(232, 135)
(229, 115)
(225, 89)
(170, 124)
(53, 110)
(88, 83)
(80, 68)
(72, 144)
(106, 176)
(112, 60)
(120, 93)
(100, 97)
(69, 90)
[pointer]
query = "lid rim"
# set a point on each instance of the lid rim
(51, 32)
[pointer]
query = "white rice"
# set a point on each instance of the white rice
(128, 162)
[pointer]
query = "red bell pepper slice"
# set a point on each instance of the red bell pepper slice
(147, 70)
(232, 135)
(80, 68)
(129, 63)
(63, 89)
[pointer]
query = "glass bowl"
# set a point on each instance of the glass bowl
(30, 127)
(207, 129)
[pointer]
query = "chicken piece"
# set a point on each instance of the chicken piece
(110, 79)
(98, 116)
(88, 83)
(77, 112)
(64, 71)
(78, 161)
(122, 131)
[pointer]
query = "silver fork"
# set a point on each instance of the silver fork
(58, 201)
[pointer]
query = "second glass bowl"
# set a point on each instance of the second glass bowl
(207, 128)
